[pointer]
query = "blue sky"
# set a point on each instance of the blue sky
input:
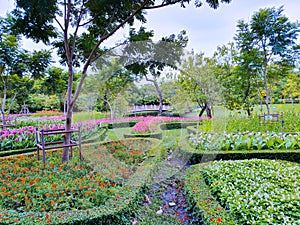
(207, 28)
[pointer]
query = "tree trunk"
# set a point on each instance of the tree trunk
(248, 112)
(65, 154)
(159, 96)
(154, 81)
(3, 107)
(208, 110)
(202, 109)
(267, 89)
(10, 105)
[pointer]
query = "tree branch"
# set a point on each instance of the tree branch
(103, 38)
(76, 30)
(59, 24)
(162, 5)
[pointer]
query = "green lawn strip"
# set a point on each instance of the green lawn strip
(253, 191)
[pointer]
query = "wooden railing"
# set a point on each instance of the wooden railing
(149, 107)
(8, 122)
(43, 145)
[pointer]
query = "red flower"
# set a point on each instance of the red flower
(219, 220)
(30, 183)
(47, 216)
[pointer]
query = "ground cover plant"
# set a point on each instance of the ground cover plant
(244, 141)
(252, 191)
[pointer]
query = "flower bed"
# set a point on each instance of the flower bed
(252, 191)
(100, 190)
(59, 194)
(148, 124)
(244, 141)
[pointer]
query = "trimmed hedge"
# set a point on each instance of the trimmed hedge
(120, 124)
(201, 200)
(197, 156)
(177, 125)
(143, 113)
(157, 135)
(17, 152)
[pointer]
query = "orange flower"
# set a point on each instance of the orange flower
(54, 186)
(47, 194)
(52, 202)
(3, 189)
(87, 193)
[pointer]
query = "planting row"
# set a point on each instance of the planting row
(244, 141)
(246, 192)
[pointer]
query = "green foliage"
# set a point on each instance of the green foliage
(269, 38)
(244, 141)
(39, 102)
(197, 78)
(202, 201)
(271, 198)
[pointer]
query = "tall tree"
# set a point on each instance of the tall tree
(273, 37)
(149, 59)
(239, 77)
(198, 79)
(17, 67)
(83, 26)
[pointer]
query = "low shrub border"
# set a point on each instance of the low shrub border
(178, 125)
(163, 126)
(113, 125)
(17, 152)
(198, 156)
(202, 201)
(157, 135)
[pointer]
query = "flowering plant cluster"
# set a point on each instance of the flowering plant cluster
(25, 187)
(148, 124)
(244, 141)
(24, 137)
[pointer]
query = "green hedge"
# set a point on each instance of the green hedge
(143, 113)
(121, 124)
(16, 152)
(197, 156)
(201, 200)
(177, 125)
(157, 135)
